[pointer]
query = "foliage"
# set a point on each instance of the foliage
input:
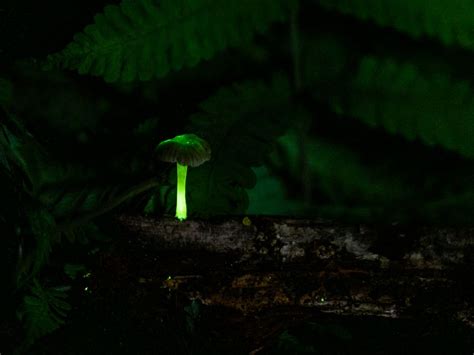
(448, 21)
(241, 123)
(44, 310)
(349, 182)
(73, 270)
(379, 127)
(434, 108)
(270, 195)
(145, 39)
(58, 110)
(343, 177)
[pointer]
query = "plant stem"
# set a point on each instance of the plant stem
(181, 212)
(295, 45)
(113, 203)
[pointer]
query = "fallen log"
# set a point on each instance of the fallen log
(254, 264)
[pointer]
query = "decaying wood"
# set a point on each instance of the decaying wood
(260, 263)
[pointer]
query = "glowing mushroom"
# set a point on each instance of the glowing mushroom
(184, 150)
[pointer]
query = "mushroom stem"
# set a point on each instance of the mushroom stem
(181, 212)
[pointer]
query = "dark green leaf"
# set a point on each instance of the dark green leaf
(146, 38)
(448, 21)
(397, 96)
(43, 311)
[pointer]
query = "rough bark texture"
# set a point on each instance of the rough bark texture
(261, 263)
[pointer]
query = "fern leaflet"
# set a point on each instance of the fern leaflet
(145, 38)
(448, 20)
(43, 311)
(398, 97)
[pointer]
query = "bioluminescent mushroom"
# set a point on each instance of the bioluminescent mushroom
(184, 150)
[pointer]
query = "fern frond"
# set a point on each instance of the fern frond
(143, 39)
(450, 21)
(241, 123)
(434, 108)
(75, 207)
(43, 311)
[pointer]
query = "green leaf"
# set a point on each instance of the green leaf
(341, 177)
(144, 39)
(153, 204)
(433, 108)
(75, 206)
(43, 311)
(448, 21)
(351, 181)
(241, 123)
(269, 197)
(73, 270)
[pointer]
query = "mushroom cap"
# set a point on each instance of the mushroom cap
(185, 149)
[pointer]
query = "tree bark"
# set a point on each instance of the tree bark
(261, 263)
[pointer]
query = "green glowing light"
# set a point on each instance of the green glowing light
(181, 212)
(246, 221)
